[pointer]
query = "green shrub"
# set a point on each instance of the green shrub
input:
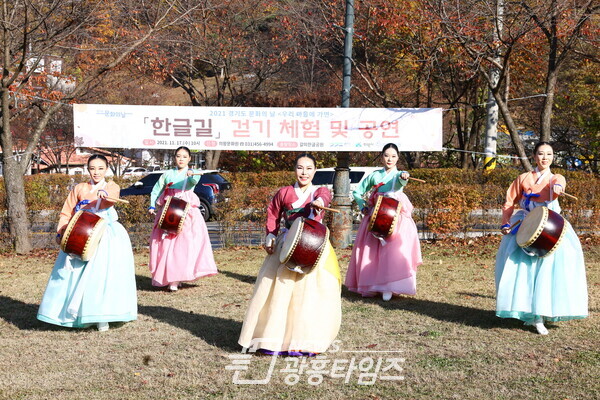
(443, 204)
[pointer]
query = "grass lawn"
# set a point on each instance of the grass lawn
(452, 344)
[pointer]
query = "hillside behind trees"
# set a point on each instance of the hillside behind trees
(434, 53)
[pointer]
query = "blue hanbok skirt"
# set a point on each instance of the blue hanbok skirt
(102, 289)
(553, 288)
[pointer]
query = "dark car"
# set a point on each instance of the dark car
(209, 190)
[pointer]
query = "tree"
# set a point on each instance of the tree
(221, 56)
(577, 116)
(91, 37)
(56, 142)
(399, 61)
(535, 33)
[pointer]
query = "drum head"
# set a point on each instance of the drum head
(291, 240)
(532, 226)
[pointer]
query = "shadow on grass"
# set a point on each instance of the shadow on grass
(240, 277)
(220, 332)
(485, 319)
(144, 283)
(23, 315)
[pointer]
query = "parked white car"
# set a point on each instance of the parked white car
(324, 176)
(134, 172)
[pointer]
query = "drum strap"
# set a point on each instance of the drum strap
(373, 195)
(184, 183)
(395, 180)
(97, 187)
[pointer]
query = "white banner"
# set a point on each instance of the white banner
(257, 128)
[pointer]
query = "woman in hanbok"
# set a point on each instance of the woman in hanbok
(531, 288)
(186, 256)
(101, 290)
(385, 266)
(293, 312)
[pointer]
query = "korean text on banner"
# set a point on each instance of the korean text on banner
(249, 128)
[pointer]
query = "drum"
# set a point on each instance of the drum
(83, 233)
(541, 232)
(173, 215)
(384, 217)
(304, 244)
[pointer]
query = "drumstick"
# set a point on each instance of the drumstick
(417, 179)
(515, 224)
(328, 209)
(117, 200)
(570, 195)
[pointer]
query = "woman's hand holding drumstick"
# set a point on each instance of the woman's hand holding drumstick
(321, 207)
(406, 176)
(329, 209)
(506, 229)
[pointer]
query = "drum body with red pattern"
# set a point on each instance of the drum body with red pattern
(82, 235)
(384, 217)
(305, 243)
(541, 232)
(173, 215)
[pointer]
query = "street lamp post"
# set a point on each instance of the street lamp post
(341, 228)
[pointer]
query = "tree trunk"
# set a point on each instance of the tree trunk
(474, 133)
(18, 221)
(410, 164)
(546, 116)
(508, 120)
(514, 132)
(14, 185)
(212, 159)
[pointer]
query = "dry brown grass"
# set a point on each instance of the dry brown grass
(454, 346)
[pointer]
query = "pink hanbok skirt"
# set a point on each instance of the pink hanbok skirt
(377, 267)
(184, 257)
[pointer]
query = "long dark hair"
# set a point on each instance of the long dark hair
(97, 157)
(307, 155)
